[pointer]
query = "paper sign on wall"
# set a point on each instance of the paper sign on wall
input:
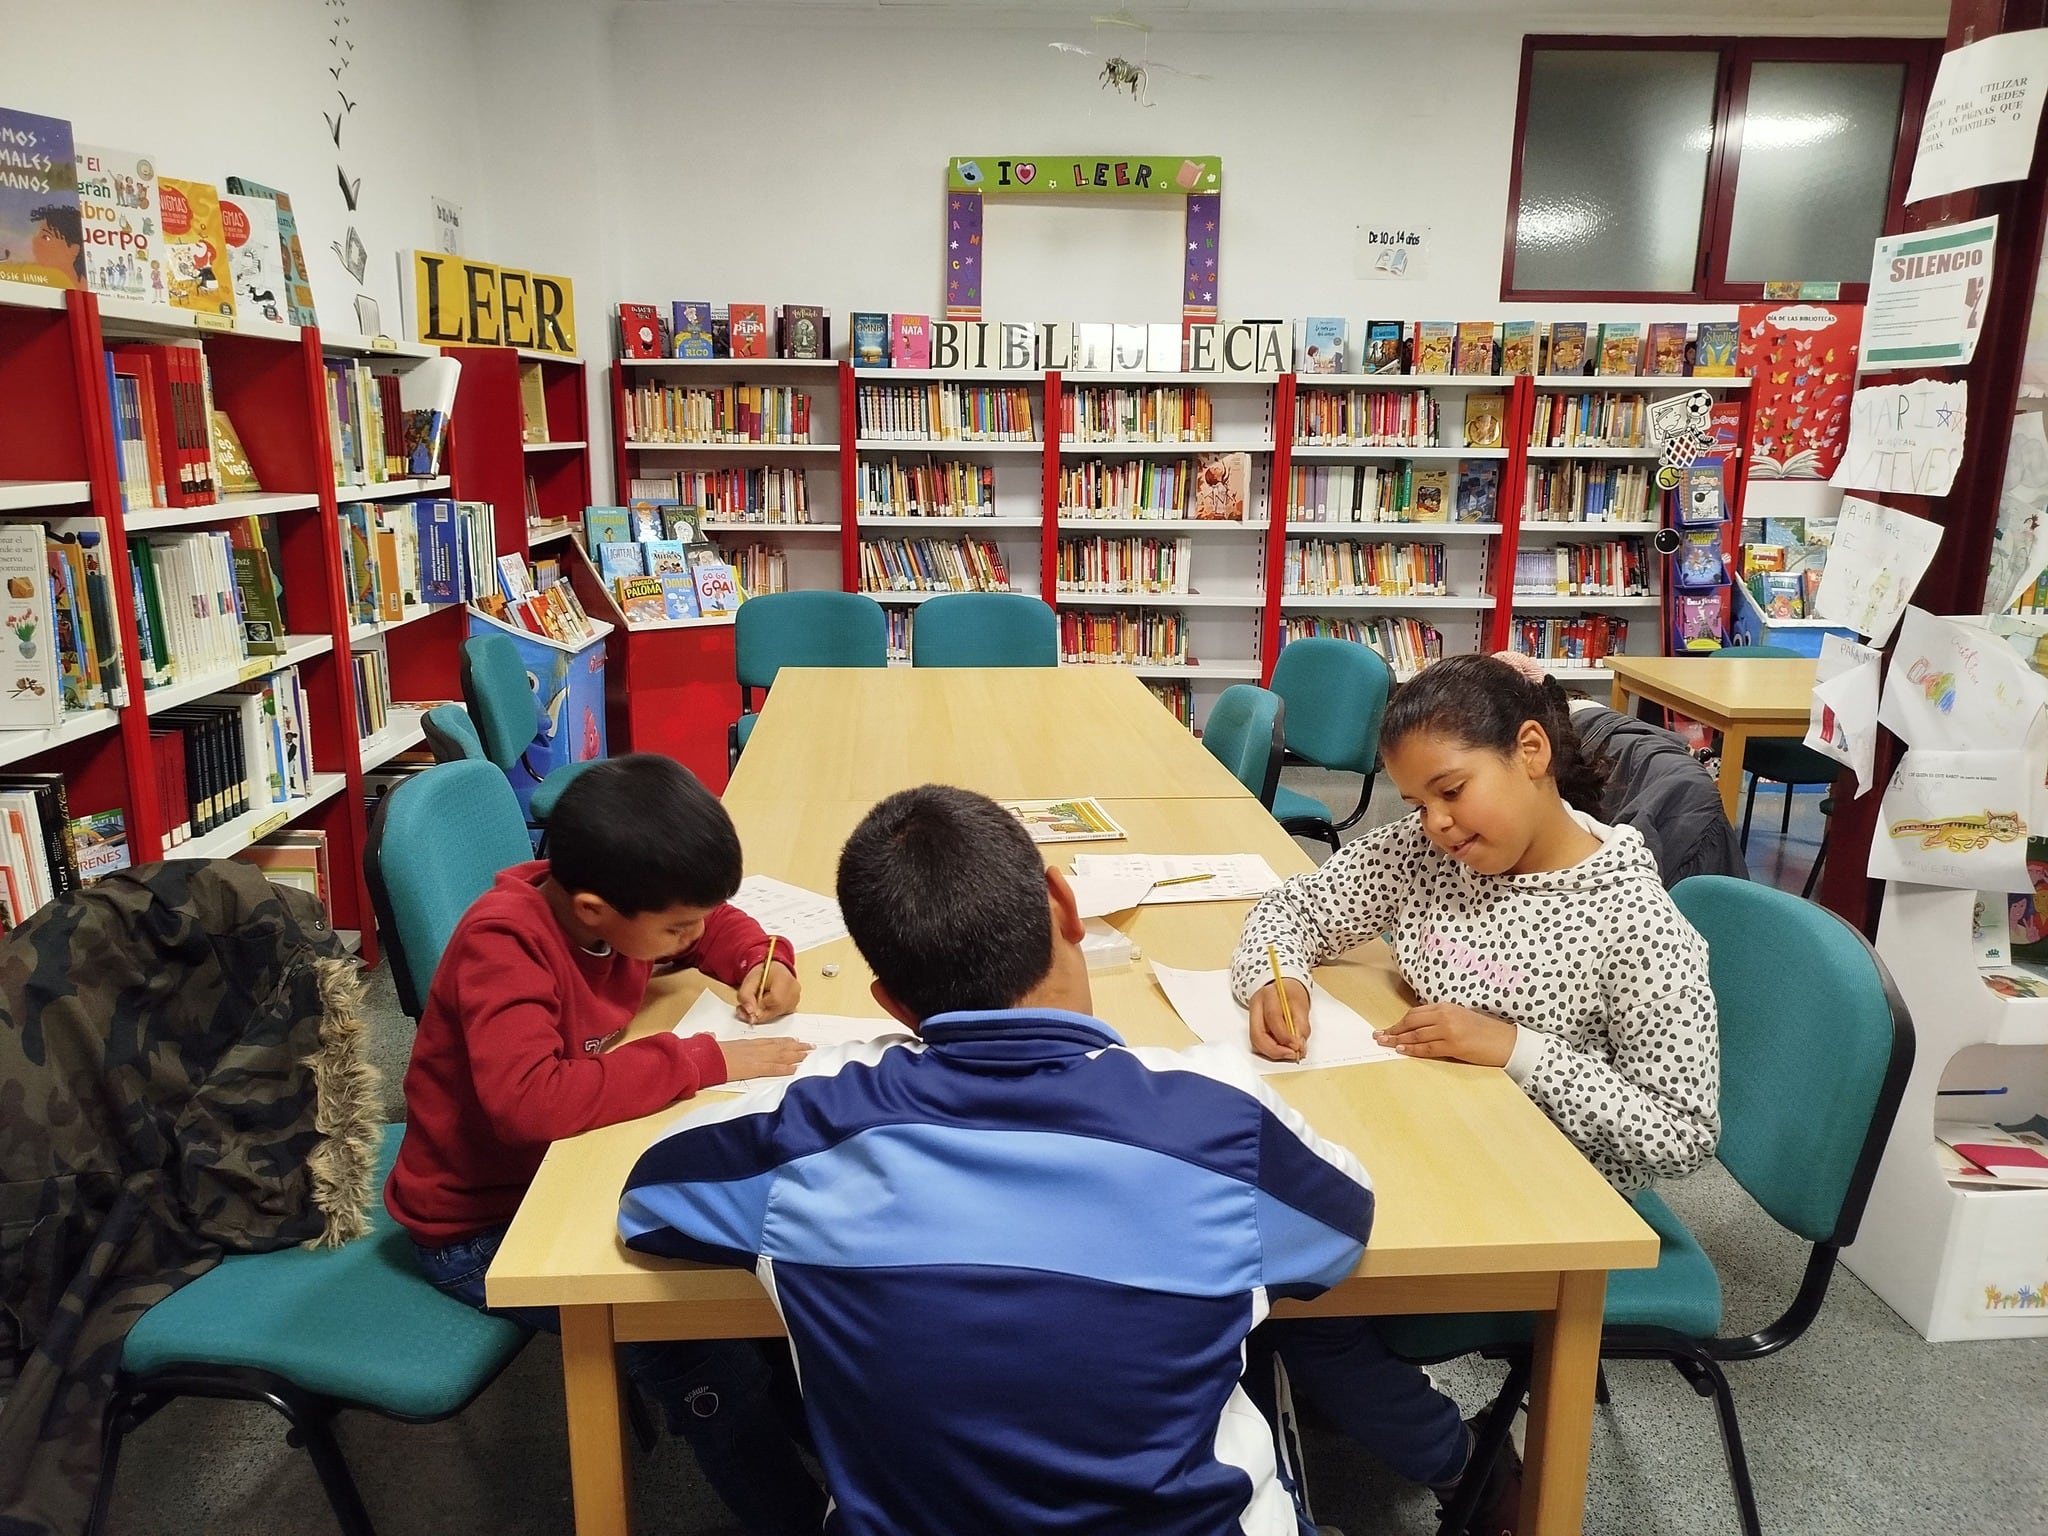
(1980, 119)
(1878, 558)
(1953, 686)
(1391, 252)
(1843, 722)
(1906, 438)
(2019, 544)
(1954, 819)
(1927, 293)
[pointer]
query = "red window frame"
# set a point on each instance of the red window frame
(1738, 56)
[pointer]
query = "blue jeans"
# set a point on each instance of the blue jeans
(716, 1394)
(1384, 1403)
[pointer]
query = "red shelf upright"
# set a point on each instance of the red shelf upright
(1277, 499)
(1049, 495)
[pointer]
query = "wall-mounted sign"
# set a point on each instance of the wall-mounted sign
(457, 302)
(1117, 175)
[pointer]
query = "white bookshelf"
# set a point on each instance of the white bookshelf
(1319, 453)
(297, 648)
(28, 495)
(555, 447)
(739, 448)
(725, 366)
(1422, 532)
(876, 523)
(949, 447)
(404, 729)
(1124, 448)
(1307, 603)
(240, 504)
(889, 598)
(1547, 602)
(251, 826)
(19, 745)
(393, 489)
(1590, 451)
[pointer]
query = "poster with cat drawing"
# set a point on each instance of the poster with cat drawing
(1954, 819)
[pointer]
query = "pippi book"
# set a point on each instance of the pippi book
(1803, 360)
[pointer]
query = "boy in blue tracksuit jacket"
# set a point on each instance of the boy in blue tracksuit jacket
(1017, 1258)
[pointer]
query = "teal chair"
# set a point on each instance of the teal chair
(502, 709)
(451, 734)
(1336, 695)
(985, 629)
(311, 1332)
(1816, 1045)
(1779, 759)
(800, 629)
(436, 843)
(1244, 733)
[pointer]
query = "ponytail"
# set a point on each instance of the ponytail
(1484, 701)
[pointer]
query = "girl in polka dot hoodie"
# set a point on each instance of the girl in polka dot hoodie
(1538, 940)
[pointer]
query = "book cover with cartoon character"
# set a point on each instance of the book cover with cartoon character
(117, 209)
(41, 241)
(195, 248)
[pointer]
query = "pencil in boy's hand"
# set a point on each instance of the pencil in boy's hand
(1280, 986)
(761, 986)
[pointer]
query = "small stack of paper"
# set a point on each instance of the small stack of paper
(1338, 1037)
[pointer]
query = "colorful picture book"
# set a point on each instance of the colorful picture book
(1222, 486)
(1567, 347)
(1620, 348)
(1714, 349)
(639, 331)
(195, 247)
(691, 330)
(1383, 346)
(870, 339)
(1322, 345)
(1474, 347)
(1518, 347)
(1478, 490)
(1484, 416)
(1435, 345)
(118, 216)
(297, 275)
(255, 258)
(1064, 821)
(40, 238)
(1664, 350)
(910, 341)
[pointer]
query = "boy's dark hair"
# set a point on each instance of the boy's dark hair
(943, 892)
(1483, 702)
(645, 835)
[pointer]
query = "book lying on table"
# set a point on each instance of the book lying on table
(1064, 821)
(1993, 1153)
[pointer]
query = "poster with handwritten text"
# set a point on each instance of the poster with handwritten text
(1906, 438)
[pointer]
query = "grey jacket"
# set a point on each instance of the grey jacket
(1661, 790)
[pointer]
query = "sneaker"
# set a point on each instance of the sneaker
(1500, 1506)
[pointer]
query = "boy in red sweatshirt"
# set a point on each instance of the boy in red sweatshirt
(541, 974)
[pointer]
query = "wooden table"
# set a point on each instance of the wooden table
(1481, 1203)
(1740, 698)
(1028, 733)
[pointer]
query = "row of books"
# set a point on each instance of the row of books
(59, 601)
(698, 329)
(401, 553)
(764, 494)
(1212, 487)
(161, 403)
(1393, 493)
(758, 568)
(1579, 639)
(1361, 568)
(986, 413)
(1154, 636)
(551, 612)
(1592, 419)
(296, 857)
(731, 413)
(1617, 568)
(1784, 594)
(686, 595)
(652, 515)
(932, 565)
(1582, 491)
(615, 558)
(373, 690)
(208, 602)
(243, 749)
(1176, 697)
(153, 239)
(38, 844)
(898, 621)
(1124, 565)
(1391, 418)
(1406, 645)
(1162, 413)
(893, 487)
(1324, 345)
(383, 427)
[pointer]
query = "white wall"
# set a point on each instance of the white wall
(238, 87)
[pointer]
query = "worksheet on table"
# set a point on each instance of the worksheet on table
(1181, 877)
(1338, 1036)
(713, 1015)
(803, 917)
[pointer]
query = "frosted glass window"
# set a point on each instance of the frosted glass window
(1614, 170)
(1818, 143)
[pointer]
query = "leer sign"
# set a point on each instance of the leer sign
(462, 303)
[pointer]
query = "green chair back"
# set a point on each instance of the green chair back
(436, 844)
(452, 736)
(1336, 695)
(1759, 653)
(1815, 1048)
(806, 629)
(1243, 733)
(985, 629)
(500, 699)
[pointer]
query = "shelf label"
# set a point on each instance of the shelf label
(254, 668)
(206, 322)
(383, 344)
(268, 825)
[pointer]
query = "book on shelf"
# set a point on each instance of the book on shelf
(1431, 502)
(1664, 349)
(195, 246)
(1703, 501)
(640, 334)
(255, 259)
(1779, 594)
(717, 588)
(951, 410)
(298, 858)
(870, 339)
(679, 597)
(1385, 342)
(1478, 490)
(1696, 621)
(40, 238)
(1321, 345)
(37, 859)
(230, 458)
(297, 275)
(1127, 637)
(691, 335)
(618, 559)
(1620, 347)
(1367, 418)
(1159, 413)
(1123, 566)
(1474, 347)
(1579, 641)
(1996, 1155)
(1518, 347)
(99, 844)
(1363, 568)
(1567, 347)
(533, 402)
(426, 397)
(1579, 490)
(1485, 413)
(1405, 645)
(163, 416)
(910, 341)
(607, 525)
(932, 565)
(721, 331)
(373, 691)
(747, 330)
(758, 568)
(1222, 486)
(803, 331)
(1714, 349)
(729, 413)
(640, 599)
(667, 557)
(118, 216)
(891, 487)
(1698, 562)
(31, 697)
(1436, 344)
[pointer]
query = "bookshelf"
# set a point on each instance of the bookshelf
(521, 420)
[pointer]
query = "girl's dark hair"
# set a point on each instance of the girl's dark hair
(1483, 702)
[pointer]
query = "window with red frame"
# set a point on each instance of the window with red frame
(1651, 168)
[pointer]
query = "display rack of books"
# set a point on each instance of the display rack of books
(1394, 503)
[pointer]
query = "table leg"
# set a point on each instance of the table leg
(1560, 1439)
(1617, 697)
(1734, 743)
(600, 1477)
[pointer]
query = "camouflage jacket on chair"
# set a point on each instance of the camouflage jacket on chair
(180, 1076)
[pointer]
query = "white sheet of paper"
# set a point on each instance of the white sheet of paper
(1954, 687)
(803, 917)
(1337, 1036)
(2019, 543)
(1232, 876)
(1100, 895)
(1955, 819)
(1877, 559)
(1981, 115)
(1927, 293)
(712, 1015)
(1905, 437)
(1843, 721)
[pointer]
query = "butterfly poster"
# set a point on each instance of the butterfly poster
(1802, 358)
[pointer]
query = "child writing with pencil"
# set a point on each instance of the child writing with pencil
(540, 976)
(1537, 940)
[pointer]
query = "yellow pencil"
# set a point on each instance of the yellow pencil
(1280, 986)
(1183, 880)
(761, 986)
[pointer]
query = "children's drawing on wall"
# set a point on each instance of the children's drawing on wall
(1905, 437)
(2019, 543)
(1878, 556)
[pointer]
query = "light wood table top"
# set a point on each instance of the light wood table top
(1029, 733)
(1722, 690)
(1471, 1178)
